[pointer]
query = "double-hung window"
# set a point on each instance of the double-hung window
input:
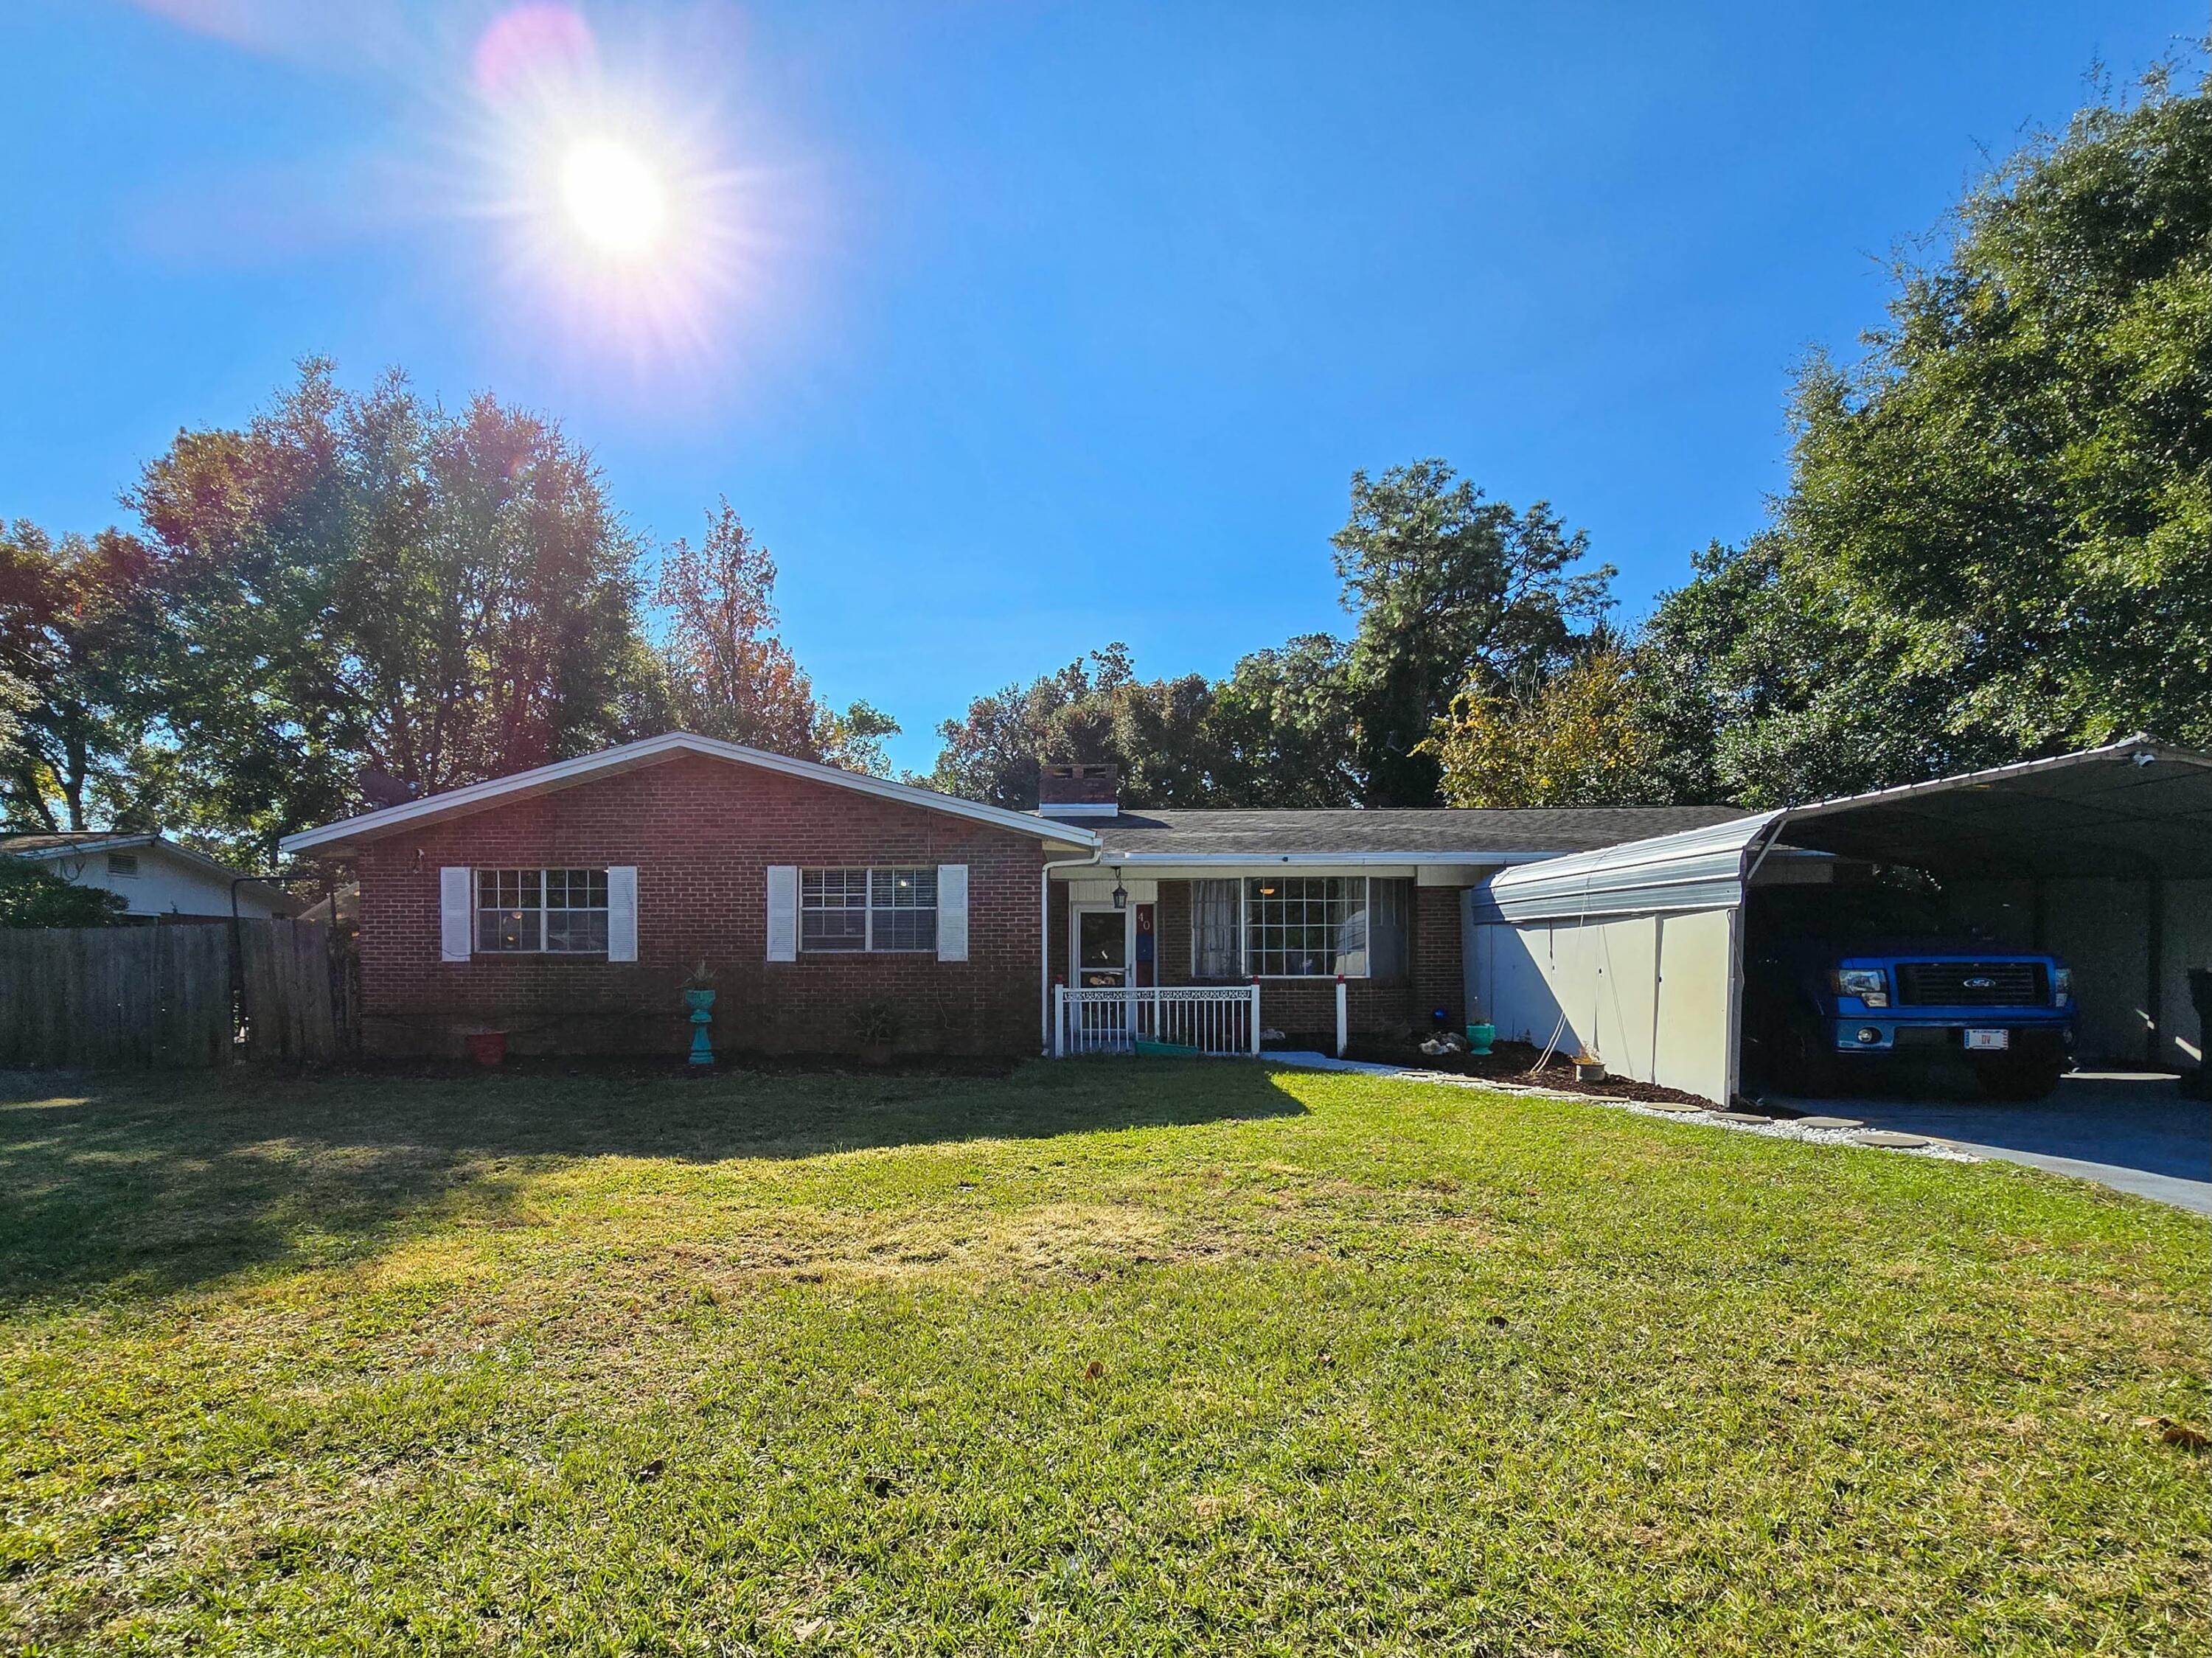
(1306, 926)
(1300, 927)
(851, 910)
(542, 912)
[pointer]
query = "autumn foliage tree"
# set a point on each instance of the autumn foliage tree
(74, 677)
(1573, 738)
(371, 580)
(729, 674)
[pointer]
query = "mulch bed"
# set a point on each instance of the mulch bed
(1514, 1062)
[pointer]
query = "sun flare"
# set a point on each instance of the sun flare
(613, 198)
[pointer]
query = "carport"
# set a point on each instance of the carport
(1635, 953)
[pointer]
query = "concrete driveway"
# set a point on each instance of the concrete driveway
(2133, 1131)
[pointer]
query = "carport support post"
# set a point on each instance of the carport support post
(2155, 977)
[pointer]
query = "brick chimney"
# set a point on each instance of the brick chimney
(1073, 793)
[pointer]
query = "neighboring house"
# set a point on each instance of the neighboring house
(157, 878)
(565, 905)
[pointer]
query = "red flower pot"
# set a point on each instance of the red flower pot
(488, 1047)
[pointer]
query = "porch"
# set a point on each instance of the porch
(1228, 959)
(1211, 1022)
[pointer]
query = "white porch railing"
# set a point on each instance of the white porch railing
(1213, 1020)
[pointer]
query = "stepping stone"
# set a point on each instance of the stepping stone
(1673, 1108)
(1888, 1137)
(1741, 1116)
(1826, 1122)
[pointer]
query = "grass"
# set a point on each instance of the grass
(1154, 1358)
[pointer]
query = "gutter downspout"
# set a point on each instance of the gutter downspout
(1044, 935)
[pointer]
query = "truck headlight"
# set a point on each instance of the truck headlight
(1867, 983)
(2062, 986)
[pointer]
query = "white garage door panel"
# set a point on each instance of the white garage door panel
(1692, 1020)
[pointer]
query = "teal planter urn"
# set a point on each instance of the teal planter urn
(699, 1003)
(702, 1004)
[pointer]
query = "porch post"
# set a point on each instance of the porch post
(1059, 1021)
(1343, 1026)
(1255, 1016)
(1129, 1004)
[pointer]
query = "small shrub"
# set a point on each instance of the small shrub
(878, 1023)
(31, 896)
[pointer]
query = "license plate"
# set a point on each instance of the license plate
(1988, 1041)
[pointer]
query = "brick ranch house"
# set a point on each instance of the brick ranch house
(564, 905)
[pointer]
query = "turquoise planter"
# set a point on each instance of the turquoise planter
(1479, 1038)
(702, 1004)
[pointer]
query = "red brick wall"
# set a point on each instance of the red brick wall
(1439, 973)
(702, 834)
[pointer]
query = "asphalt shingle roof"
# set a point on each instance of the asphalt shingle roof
(1443, 831)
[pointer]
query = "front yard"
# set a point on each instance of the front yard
(1098, 1357)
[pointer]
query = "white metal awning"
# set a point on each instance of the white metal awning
(1696, 869)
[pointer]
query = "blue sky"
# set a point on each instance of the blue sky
(1016, 328)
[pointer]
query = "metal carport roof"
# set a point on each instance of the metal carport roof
(2136, 808)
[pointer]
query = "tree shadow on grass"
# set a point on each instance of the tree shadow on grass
(121, 1187)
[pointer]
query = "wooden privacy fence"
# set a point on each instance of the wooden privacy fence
(170, 997)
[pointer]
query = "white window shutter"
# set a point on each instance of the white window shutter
(952, 911)
(622, 912)
(783, 911)
(456, 914)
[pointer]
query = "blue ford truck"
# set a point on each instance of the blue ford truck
(1839, 984)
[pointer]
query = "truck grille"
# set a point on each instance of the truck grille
(1971, 984)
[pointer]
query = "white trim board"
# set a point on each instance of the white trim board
(568, 774)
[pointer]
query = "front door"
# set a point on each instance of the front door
(1102, 948)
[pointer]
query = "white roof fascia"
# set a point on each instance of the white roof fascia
(564, 774)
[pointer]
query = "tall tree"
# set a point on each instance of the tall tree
(1449, 589)
(73, 657)
(729, 673)
(1283, 728)
(1569, 738)
(1997, 539)
(370, 579)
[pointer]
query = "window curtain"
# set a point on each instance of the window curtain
(1390, 929)
(1352, 931)
(1213, 930)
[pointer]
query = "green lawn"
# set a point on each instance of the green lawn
(1138, 1358)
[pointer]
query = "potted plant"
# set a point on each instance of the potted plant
(699, 1004)
(876, 1028)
